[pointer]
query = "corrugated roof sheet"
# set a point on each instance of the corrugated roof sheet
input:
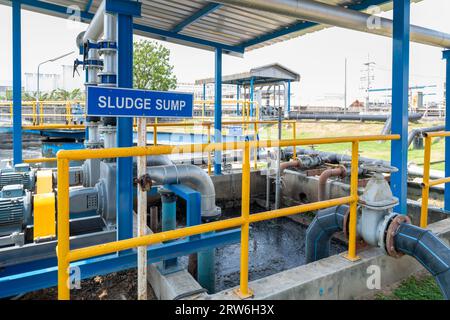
(231, 26)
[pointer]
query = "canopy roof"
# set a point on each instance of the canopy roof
(205, 24)
(265, 75)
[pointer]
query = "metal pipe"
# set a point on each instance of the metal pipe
(333, 15)
(168, 221)
(323, 179)
(427, 249)
(418, 131)
(190, 175)
(95, 28)
(278, 172)
(318, 235)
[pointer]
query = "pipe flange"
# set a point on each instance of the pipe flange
(93, 145)
(390, 234)
(107, 129)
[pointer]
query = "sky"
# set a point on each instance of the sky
(318, 57)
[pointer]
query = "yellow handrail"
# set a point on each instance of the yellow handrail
(427, 182)
(66, 256)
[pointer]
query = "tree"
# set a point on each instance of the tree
(152, 69)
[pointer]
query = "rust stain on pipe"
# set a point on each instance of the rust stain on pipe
(323, 179)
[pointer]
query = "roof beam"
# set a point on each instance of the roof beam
(210, 7)
(54, 8)
(88, 6)
(306, 24)
(166, 35)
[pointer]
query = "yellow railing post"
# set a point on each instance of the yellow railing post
(63, 230)
(209, 151)
(155, 134)
(425, 183)
(33, 112)
(41, 112)
(256, 149)
(244, 291)
(294, 136)
(354, 204)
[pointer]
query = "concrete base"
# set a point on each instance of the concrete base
(336, 278)
(174, 285)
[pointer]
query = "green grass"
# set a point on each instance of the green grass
(414, 289)
(377, 150)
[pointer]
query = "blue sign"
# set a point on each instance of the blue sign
(119, 102)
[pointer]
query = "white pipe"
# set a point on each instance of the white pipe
(193, 176)
(142, 212)
(341, 17)
(95, 28)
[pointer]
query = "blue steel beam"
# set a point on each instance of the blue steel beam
(124, 205)
(400, 81)
(44, 275)
(88, 6)
(210, 7)
(17, 81)
(165, 35)
(446, 56)
(305, 24)
(218, 111)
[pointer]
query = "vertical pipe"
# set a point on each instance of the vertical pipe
(400, 74)
(446, 55)
(278, 172)
(142, 212)
(17, 81)
(425, 183)
(63, 230)
(244, 290)
(218, 111)
(354, 204)
(168, 220)
(125, 129)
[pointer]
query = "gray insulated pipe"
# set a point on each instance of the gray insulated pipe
(429, 250)
(319, 233)
(192, 176)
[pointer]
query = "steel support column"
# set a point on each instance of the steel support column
(218, 111)
(400, 79)
(124, 203)
(446, 56)
(17, 81)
